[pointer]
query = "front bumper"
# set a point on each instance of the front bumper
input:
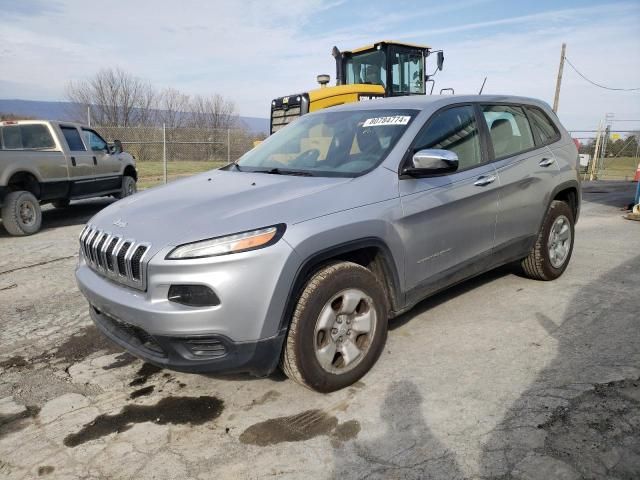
(193, 354)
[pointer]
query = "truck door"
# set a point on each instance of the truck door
(81, 165)
(106, 165)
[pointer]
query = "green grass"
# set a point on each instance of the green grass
(618, 168)
(151, 174)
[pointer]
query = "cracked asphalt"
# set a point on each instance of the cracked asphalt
(497, 378)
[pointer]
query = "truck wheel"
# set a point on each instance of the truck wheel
(62, 203)
(338, 330)
(128, 187)
(21, 214)
(551, 253)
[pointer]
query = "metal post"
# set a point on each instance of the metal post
(228, 146)
(596, 151)
(89, 115)
(164, 151)
(556, 98)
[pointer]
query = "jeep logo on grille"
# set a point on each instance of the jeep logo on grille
(120, 223)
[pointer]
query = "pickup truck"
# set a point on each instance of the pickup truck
(56, 162)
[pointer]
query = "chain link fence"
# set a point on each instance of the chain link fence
(608, 154)
(164, 154)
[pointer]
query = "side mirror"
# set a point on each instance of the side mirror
(440, 59)
(432, 162)
(117, 146)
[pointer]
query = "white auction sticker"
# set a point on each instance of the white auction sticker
(379, 121)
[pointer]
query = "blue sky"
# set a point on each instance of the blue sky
(252, 51)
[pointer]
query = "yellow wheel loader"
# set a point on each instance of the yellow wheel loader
(384, 69)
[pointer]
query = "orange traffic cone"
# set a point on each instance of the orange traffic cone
(637, 177)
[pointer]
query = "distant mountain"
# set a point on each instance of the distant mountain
(64, 111)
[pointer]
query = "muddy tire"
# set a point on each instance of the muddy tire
(552, 251)
(62, 203)
(21, 214)
(128, 187)
(338, 329)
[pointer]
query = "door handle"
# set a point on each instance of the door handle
(545, 162)
(485, 180)
(73, 161)
(95, 161)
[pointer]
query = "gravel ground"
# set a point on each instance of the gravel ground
(499, 377)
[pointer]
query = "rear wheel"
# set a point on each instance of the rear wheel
(552, 251)
(128, 187)
(338, 330)
(21, 214)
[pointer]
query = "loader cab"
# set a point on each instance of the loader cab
(398, 68)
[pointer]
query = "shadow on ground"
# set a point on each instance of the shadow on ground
(580, 418)
(607, 192)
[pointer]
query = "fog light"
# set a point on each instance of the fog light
(193, 295)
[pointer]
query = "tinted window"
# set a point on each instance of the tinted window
(31, 137)
(94, 140)
(542, 125)
(73, 139)
(456, 130)
(509, 129)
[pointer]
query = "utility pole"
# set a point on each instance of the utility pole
(556, 99)
(596, 152)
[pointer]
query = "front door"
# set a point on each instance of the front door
(107, 165)
(449, 221)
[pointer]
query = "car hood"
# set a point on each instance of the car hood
(221, 202)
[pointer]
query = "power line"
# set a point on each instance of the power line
(597, 84)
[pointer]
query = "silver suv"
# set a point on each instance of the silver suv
(300, 252)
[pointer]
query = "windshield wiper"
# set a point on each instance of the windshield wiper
(279, 171)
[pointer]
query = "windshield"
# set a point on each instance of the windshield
(344, 144)
(367, 68)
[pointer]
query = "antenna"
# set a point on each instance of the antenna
(482, 87)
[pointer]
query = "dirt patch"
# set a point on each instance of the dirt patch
(146, 371)
(14, 422)
(87, 341)
(299, 427)
(17, 361)
(121, 360)
(142, 392)
(45, 470)
(172, 410)
(598, 433)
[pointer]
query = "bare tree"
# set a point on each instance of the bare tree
(173, 108)
(213, 112)
(116, 98)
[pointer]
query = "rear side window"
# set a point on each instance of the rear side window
(26, 137)
(542, 126)
(73, 139)
(456, 130)
(509, 129)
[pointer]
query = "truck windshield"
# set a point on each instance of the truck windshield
(342, 144)
(367, 68)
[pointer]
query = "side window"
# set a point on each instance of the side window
(95, 141)
(27, 137)
(73, 139)
(454, 129)
(509, 129)
(542, 126)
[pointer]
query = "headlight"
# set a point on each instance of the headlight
(239, 242)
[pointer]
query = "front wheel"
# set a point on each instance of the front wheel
(128, 187)
(550, 255)
(21, 214)
(338, 330)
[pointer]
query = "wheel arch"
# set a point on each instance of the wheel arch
(24, 180)
(130, 171)
(371, 252)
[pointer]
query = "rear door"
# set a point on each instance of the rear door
(449, 221)
(82, 164)
(524, 168)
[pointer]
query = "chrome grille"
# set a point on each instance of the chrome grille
(115, 257)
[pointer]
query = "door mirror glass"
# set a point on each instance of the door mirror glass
(432, 162)
(440, 60)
